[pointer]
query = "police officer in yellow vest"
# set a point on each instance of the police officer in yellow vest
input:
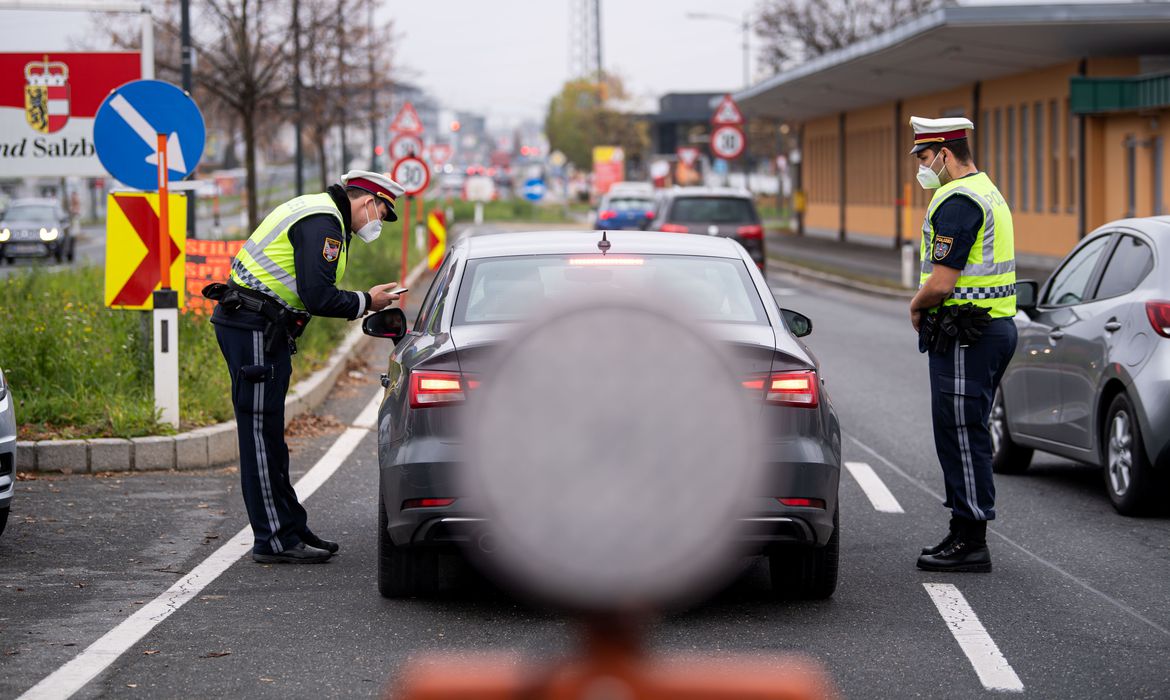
(963, 311)
(287, 272)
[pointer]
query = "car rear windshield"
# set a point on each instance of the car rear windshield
(629, 204)
(712, 210)
(31, 212)
(503, 290)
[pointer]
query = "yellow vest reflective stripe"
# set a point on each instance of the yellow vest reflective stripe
(988, 278)
(266, 262)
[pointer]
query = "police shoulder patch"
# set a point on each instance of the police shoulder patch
(332, 250)
(943, 246)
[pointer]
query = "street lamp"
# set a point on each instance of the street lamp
(745, 26)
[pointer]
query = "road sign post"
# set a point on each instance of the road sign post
(147, 132)
(166, 307)
(414, 176)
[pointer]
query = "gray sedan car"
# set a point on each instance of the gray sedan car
(7, 451)
(1090, 379)
(486, 284)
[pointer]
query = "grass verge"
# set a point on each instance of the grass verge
(80, 370)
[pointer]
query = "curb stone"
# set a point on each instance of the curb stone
(210, 446)
(840, 280)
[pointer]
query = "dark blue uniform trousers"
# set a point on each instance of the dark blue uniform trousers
(962, 387)
(259, 384)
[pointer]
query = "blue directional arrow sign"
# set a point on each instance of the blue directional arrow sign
(126, 129)
(534, 189)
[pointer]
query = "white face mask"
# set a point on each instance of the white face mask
(373, 228)
(927, 177)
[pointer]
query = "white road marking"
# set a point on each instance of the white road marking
(97, 657)
(784, 291)
(875, 489)
(1085, 585)
(995, 673)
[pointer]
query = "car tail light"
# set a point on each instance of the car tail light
(803, 502)
(427, 503)
(787, 388)
(649, 215)
(606, 215)
(433, 389)
(674, 228)
(753, 231)
(1159, 314)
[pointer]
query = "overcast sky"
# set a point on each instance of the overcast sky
(506, 58)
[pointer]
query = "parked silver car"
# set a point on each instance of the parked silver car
(1090, 379)
(7, 451)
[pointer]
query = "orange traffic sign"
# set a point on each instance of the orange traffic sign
(133, 268)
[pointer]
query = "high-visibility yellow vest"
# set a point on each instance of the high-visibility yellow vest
(265, 263)
(989, 277)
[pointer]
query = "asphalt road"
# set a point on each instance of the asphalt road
(1077, 605)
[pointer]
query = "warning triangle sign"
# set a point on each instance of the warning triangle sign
(688, 155)
(407, 121)
(727, 112)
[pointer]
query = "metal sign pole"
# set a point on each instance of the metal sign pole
(166, 307)
(405, 236)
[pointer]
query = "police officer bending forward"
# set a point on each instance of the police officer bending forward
(286, 273)
(963, 312)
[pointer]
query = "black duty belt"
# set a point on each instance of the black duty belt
(962, 323)
(282, 322)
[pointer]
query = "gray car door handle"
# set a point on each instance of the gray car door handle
(1113, 325)
(1056, 335)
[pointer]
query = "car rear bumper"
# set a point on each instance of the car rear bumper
(800, 468)
(7, 469)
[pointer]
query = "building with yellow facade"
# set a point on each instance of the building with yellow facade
(1070, 100)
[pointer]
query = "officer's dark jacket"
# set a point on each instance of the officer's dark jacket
(316, 276)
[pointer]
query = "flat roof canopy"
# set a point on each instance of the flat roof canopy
(958, 45)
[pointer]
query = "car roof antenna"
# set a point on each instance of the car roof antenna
(604, 245)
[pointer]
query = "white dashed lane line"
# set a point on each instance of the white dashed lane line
(875, 489)
(994, 671)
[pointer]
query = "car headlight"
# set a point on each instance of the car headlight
(5, 234)
(49, 234)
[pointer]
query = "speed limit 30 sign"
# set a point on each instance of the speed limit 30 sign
(413, 174)
(727, 142)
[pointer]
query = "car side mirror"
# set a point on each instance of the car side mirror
(1027, 294)
(798, 323)
(388, 323)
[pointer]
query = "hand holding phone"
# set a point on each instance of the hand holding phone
(382, 295)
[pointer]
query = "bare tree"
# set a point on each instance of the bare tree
(794, 31)
(336, 79)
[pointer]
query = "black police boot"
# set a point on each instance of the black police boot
(300, 554)
(968, 553)
(952, 533)
(314, 541)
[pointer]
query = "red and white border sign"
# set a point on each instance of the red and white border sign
(413, 174)
(728, 142)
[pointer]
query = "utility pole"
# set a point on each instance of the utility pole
(373, 107)
(185, 41)
(341, 82)
(297, 119)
